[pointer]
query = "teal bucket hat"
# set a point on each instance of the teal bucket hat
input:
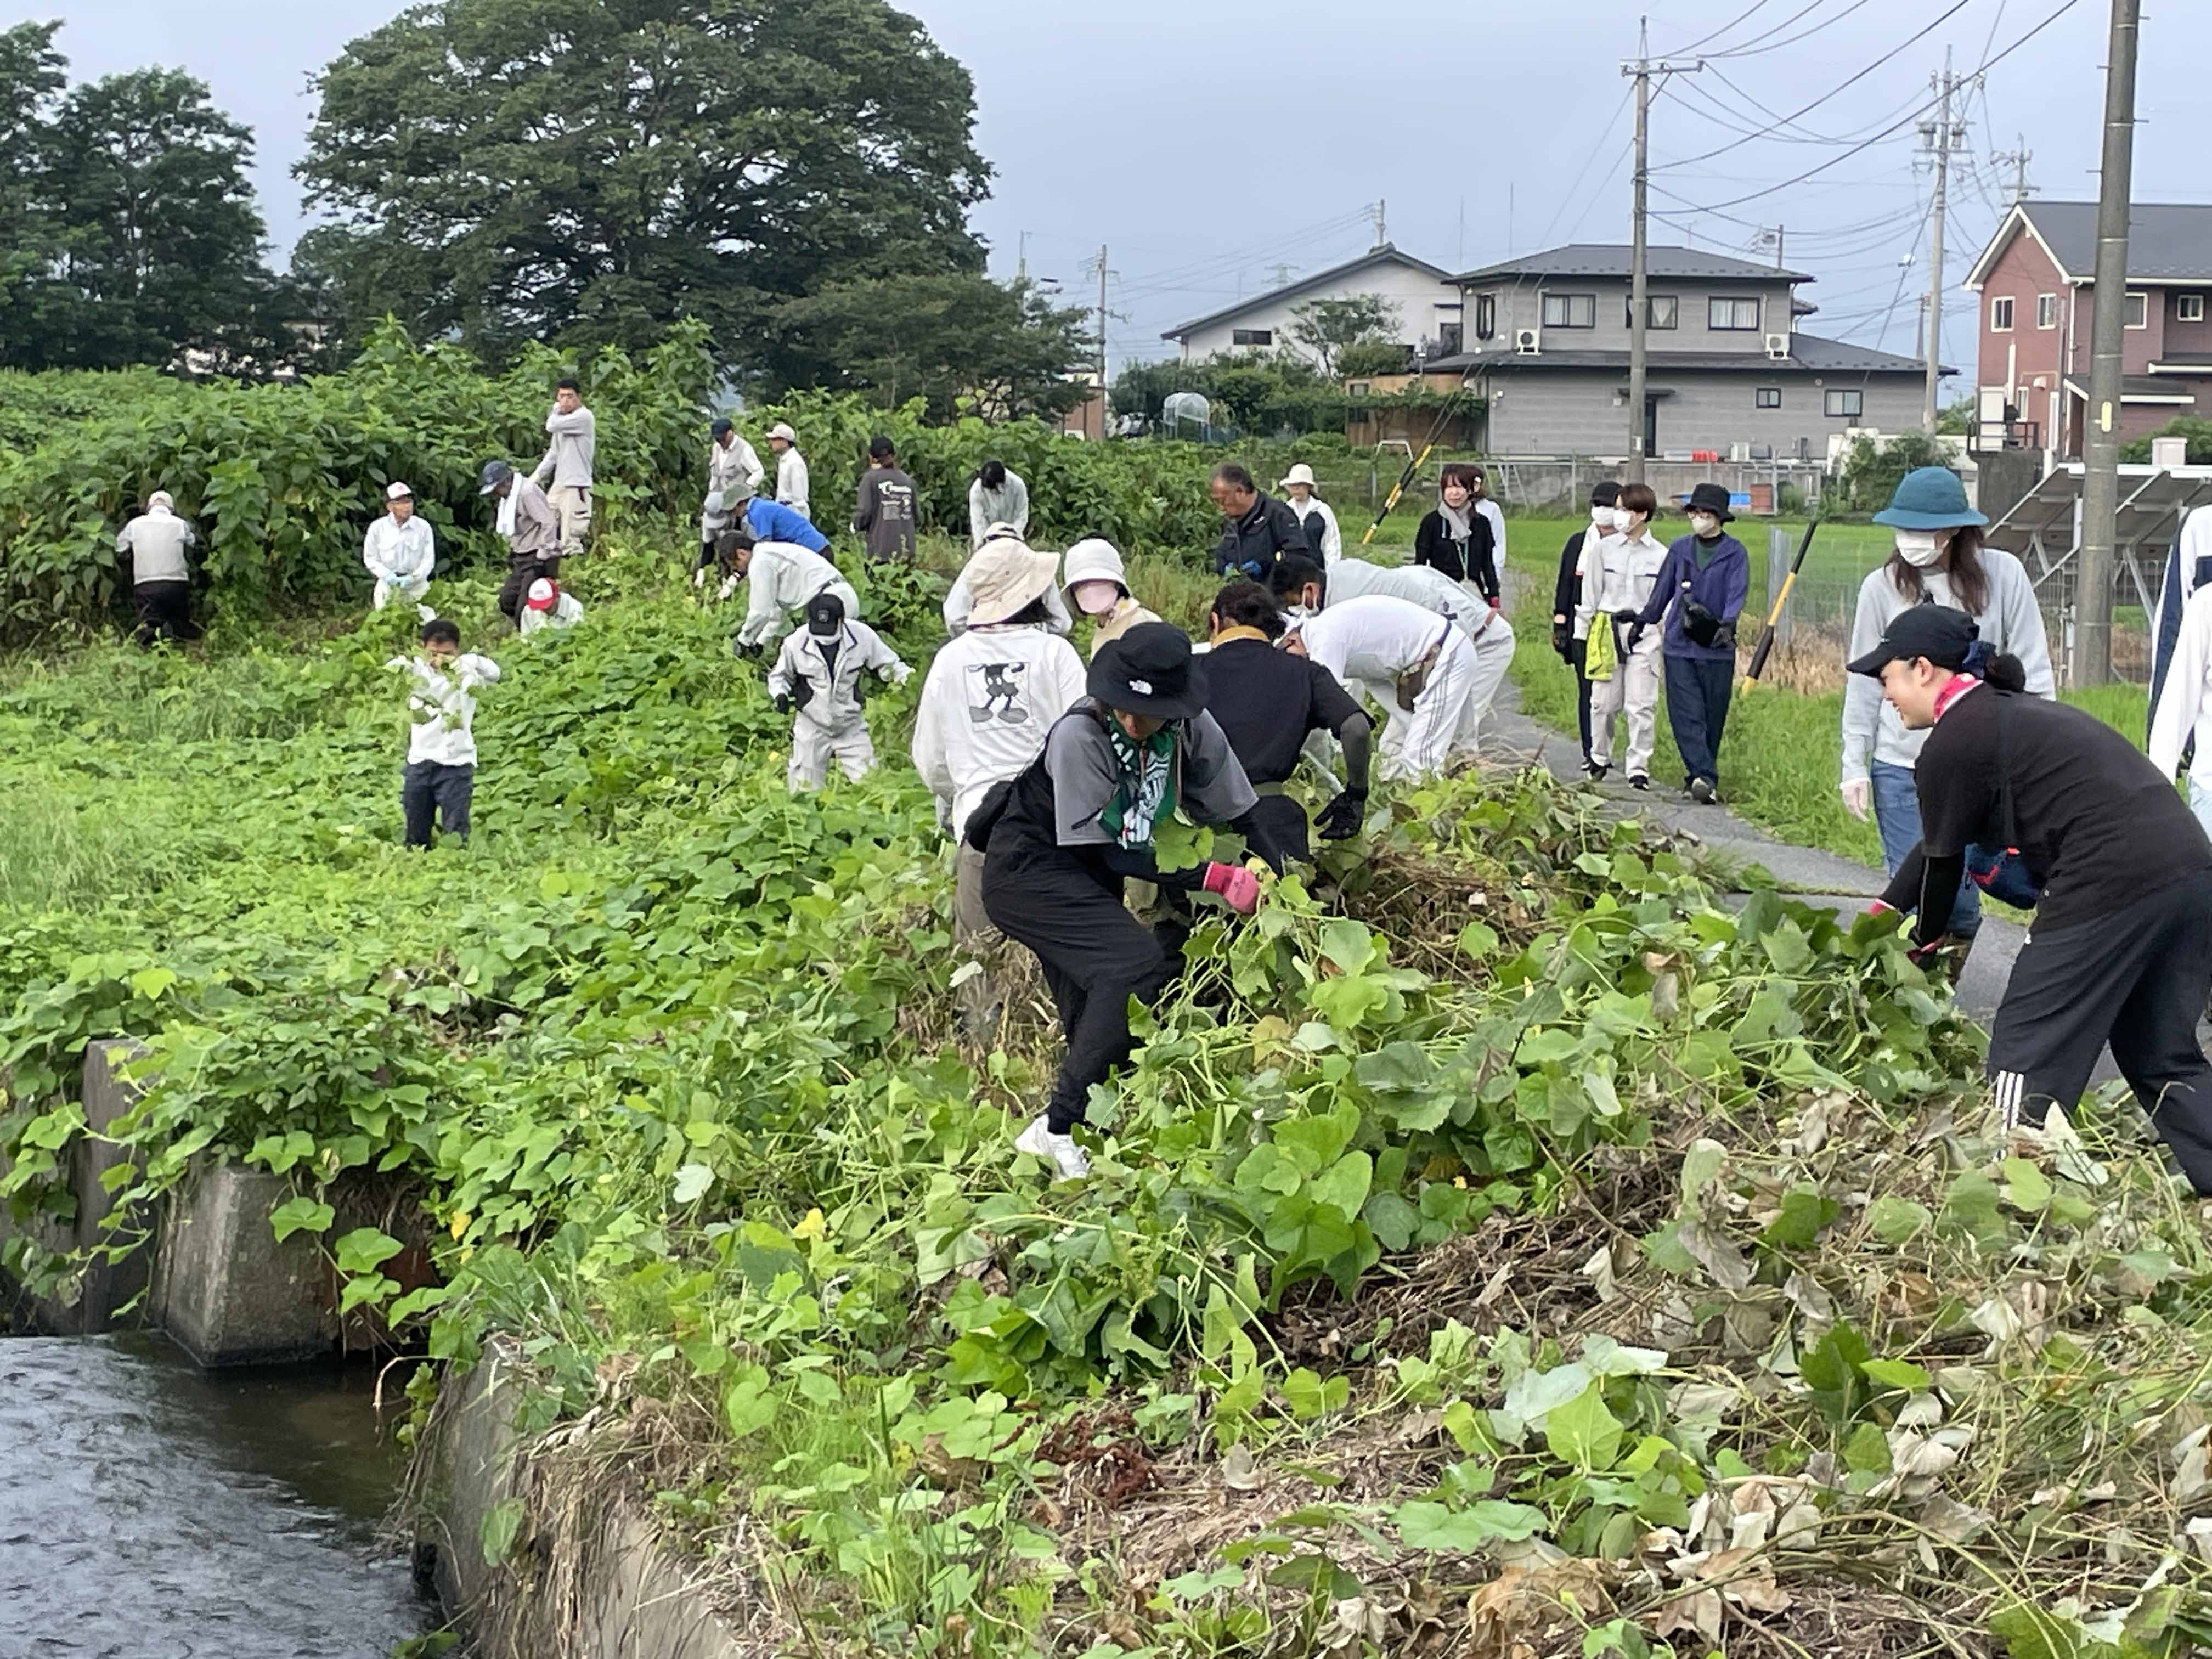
(1930, 498)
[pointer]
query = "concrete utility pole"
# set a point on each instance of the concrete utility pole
(1102, 320)
(1382, 223)
(2090, 661)
(2017, 160)
(1941, 138)
(1641, 72)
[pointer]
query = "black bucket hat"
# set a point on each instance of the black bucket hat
(1150, 671)
(825, 614)
(1711, 498)
(1936, 632)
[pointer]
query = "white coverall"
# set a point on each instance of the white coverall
(1618, 574)
(401, 557)
(1369, 642)
(732, 476)
(782, 577)
(832, 723)
(791, 483)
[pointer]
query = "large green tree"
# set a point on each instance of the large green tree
(587, 172)
(32, 75)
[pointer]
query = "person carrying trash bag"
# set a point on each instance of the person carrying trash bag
(1700, 591)
(818, 678)
(2117, 866)
(1059, 839)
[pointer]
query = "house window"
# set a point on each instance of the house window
(1251, 337)
(1358, 388)
(2188, 308)
(1850, 405)
(1448, 338)
(2046, 311)
(1660, 311)
(2138, 309)
(1570, 311)
(1767, 396)
(1485, 316)
(2000, 314)
(1732, 314)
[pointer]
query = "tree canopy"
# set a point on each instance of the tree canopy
(1326, 326)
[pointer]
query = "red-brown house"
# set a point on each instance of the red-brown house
(2037, 280)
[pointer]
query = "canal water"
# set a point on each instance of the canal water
(149, 1510)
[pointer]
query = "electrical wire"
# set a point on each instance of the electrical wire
(1756, 6)
(1750, 49)
(1596, 145)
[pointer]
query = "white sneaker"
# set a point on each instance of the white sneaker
(1039, 1141)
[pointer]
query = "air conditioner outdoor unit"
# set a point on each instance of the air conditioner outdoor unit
(1739, 452)
(1528, 341)
(1777, 345)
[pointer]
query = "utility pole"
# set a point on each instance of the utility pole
(1102, 320)
(2090, 661)
(1021, 263)
(2017, 160)
(1641, 72)
(1941, 137)
(1282, 268)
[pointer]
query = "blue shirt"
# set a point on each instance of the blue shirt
(1722, 585)
(772, 521)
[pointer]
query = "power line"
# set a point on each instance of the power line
(1597, 145)
(1752, 49)
(1684, 52)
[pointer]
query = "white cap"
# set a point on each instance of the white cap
(780, 431)
(396, 491)
(1093, 559)
(1299, 474)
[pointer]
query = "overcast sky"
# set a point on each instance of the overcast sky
(1208, 142)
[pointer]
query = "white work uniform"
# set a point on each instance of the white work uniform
(1319, 519)
(1489, 635)
(832, 724)
(1619, 574)
(156, 540)
(2184, 708)
(732, 474)
(959, 603)
(1008, 504)
(568, 611)
(442, 703)
(1496, 515)
(1368, 643)
(783, 576)
(791, 481)
(401, 557)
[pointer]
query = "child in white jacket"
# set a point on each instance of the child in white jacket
(1616, 573)
(439, 780)
(817, 676)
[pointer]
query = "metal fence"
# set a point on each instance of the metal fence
(1559, 486)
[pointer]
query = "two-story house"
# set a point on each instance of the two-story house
(1727, 370)
(1427, 308)
(2037, 283)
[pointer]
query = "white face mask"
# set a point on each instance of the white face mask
(1605, 518)
(1703, 525)
(1096, 599)
(1919, 548)
(1298, 613)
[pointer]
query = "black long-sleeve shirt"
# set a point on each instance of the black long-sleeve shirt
(1472, 560)
(1567, 591)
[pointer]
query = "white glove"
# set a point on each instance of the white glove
(1858, 797)
(699, 577)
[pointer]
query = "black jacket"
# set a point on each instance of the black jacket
(1568, 590)
(1472, 560)
(1269, 531)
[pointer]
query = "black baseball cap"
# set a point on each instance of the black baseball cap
(1936, 632)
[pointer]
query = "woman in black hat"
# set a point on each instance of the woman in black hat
(1700, 591)
(1059, 839)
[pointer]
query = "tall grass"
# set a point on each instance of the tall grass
(55, 855)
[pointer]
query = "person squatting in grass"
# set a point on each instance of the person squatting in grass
(2121, 952)
(161, 580)
(1568, 637)
(441, 746)
(1615, 577)
(821, 677)
(1266, 702)
(532, 532)
(1940, 558)
(992, 693)
(547, 607)
(1059, 841)
(782, 577)
(1701, 592)
(400, 550)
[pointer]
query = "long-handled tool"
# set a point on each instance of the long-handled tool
(1774, 617)
(1413, 465)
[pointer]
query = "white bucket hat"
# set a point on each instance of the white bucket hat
(1094, 559)
(1004, 578)
(780, 431)
(1299, 474)
(396, 491)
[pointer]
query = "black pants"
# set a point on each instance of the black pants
(164, 612)
(426, 788)
(1697, 693)
(2137, 980)
(521, 573)
(1577, 659)
(1096, 956)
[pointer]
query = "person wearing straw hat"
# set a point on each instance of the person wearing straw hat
(1938, 558)
(1700, 591)
(1059, 839)
(1315, 514)
(400, 550)
(959, 601)
(791, 483)
(991, 695)
(1099, 587)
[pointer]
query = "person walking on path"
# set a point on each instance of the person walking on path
(1701, 591)
(733, 473)
(959, 601)
(1568, 638)
(1323, 538)
(1615, 577)
(400, 550)
(1260, 528)
(439, 780)
(820, 677)
(160, 579)
(2121, 952)
(791, 483)
(1099, 587)
(885, 506)
(782, 577)
(996, 495)
(1058, 841)
(1456, 538)
(1940, 558)
(1416, 666)
(1268, 703)
(574, 436)
(990, 697)
(533, 534)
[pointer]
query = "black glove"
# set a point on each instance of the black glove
(1562, 641)
(745, 652)
(780, 703)
(1634, 635)
(802, 693)
(1725, 634)
(1342, 818)
(1627, 618)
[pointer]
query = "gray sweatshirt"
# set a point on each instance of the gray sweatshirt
(568, 457)
(884, 512)
(2011, 625)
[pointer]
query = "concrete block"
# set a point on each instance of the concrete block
(225, 1290)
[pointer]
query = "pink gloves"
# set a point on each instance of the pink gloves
(1234, 883)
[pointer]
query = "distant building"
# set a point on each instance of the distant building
(2037, 283)
(1428, 308)
(1727, 371)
